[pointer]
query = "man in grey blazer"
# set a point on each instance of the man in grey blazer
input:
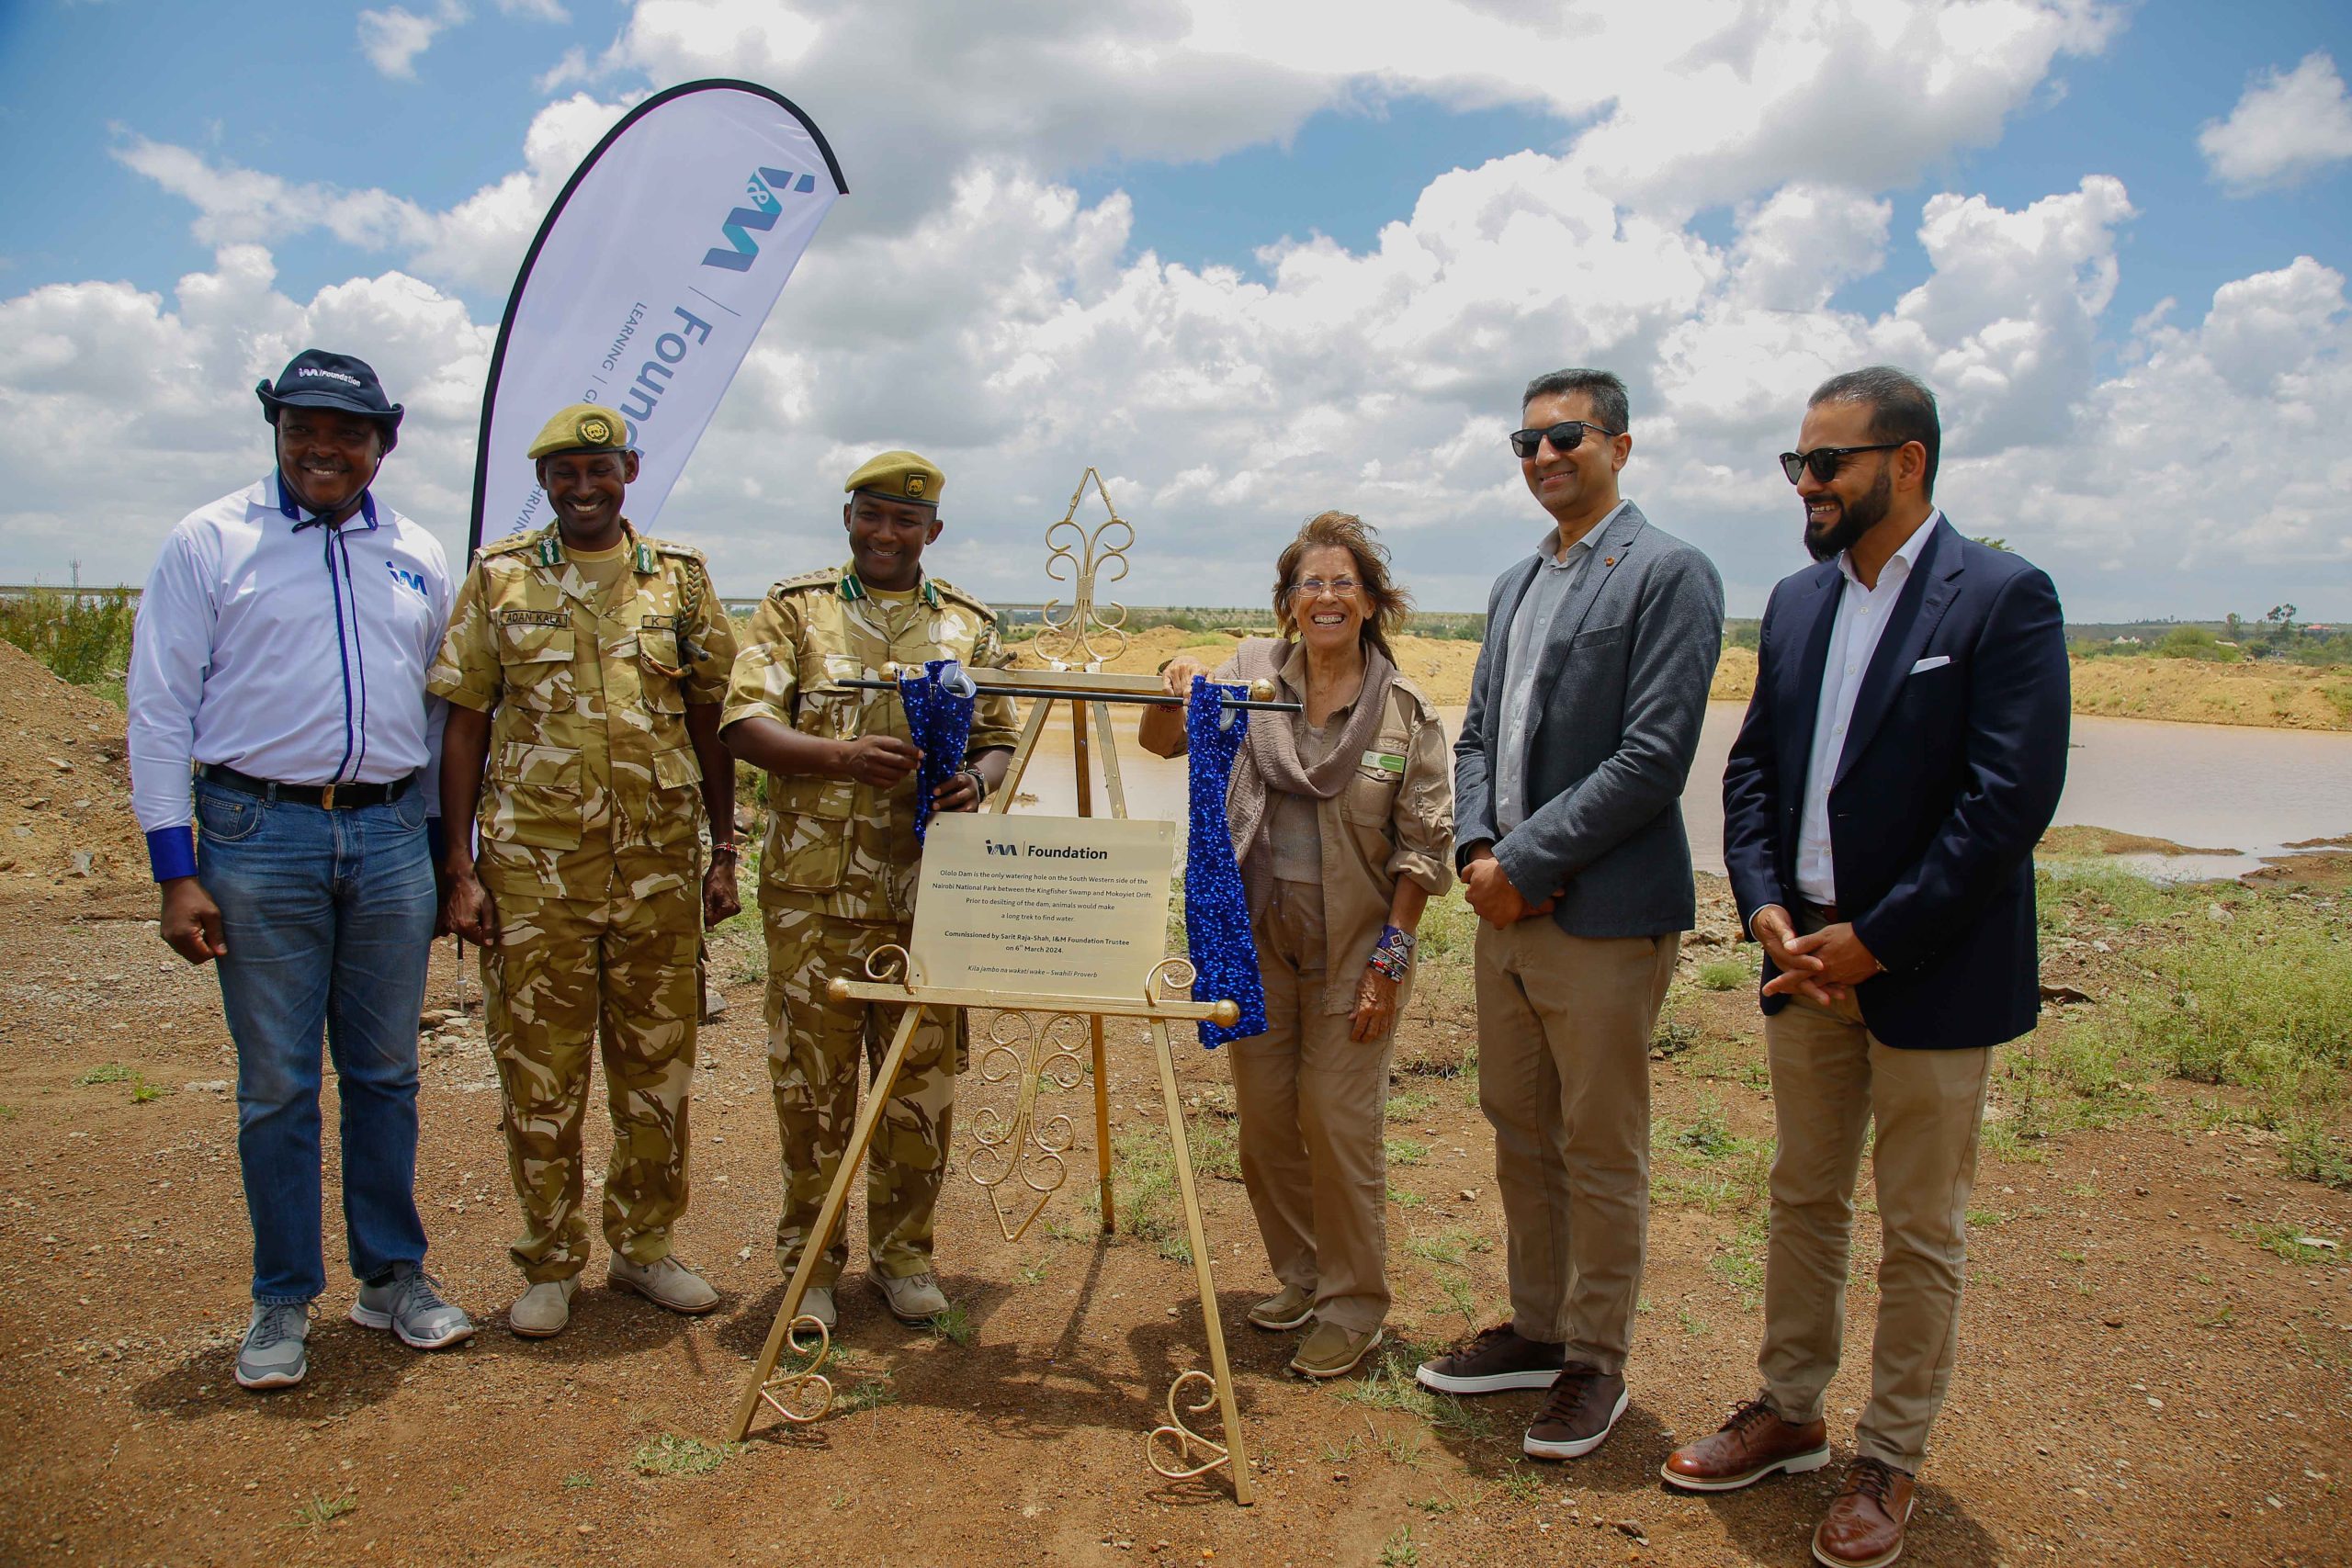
(1584, 715)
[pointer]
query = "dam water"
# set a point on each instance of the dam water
(2217, 787)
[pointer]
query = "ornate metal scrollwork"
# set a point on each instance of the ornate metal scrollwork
(1086, 635)
(802, 1397)
(889, 964)
(1022, 1144)
(1178, 1434)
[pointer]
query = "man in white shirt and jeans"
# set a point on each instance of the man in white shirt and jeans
(280, 655)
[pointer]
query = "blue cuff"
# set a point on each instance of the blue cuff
(435, 841)
(172, 853)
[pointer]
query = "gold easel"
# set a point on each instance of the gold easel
(1075, 645)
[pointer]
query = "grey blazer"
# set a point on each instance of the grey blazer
(1623, 689)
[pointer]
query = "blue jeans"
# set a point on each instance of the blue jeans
(328, 918)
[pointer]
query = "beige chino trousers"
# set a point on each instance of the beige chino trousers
(1313, 1105)
(1831, 1078)
(1564, 1077)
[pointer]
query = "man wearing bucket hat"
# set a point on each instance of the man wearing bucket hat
(837, 875)
(583, 668)
(280, 657)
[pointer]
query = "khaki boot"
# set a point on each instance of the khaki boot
(914, 1299)
(666, 1282)
(543, 1309)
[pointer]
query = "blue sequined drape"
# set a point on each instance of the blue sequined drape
(1216, 915)
(939, 702)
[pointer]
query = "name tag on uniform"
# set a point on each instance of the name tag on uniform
(1385, 763)
(659, 623)
(532, 619)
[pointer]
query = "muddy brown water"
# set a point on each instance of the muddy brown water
(2252, 790)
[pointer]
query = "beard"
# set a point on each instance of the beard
(1851, 523)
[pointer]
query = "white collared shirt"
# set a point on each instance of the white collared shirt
(1862, 619)
(296, 655)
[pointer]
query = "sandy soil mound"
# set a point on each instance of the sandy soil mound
(2187, 691)
(66, 829)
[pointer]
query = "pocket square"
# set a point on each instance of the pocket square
(1933, 662)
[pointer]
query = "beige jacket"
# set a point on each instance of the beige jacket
(1394, 819)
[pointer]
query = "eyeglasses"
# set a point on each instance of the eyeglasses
(1565, 437)
(1315, 587)
(1824, 460)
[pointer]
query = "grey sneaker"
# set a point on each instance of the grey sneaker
(410, 1304)
(914, 1299)
(275, 1353)
(817, 1302)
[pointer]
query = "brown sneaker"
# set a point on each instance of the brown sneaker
(1577, 1415)
(1286, 1309)
(1864, 1528)
(1753, 1444)
(1331, 1351)
(1498, 1359)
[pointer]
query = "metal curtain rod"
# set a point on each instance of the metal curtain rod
(1142, 699)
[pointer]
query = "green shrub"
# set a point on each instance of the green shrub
(84, 638)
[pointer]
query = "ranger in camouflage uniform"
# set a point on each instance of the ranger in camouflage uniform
(837, 874)
(583, 667)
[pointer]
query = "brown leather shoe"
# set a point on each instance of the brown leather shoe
(1753, 1444)
(1577, 1415)
(1864, 1528)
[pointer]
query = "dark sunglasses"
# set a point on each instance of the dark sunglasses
(1565, 437)
(1824, 460)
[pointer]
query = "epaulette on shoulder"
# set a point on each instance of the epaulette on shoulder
(949, 590)
(823, 577)
(665, 548)
(1417, 698)
(513, 544)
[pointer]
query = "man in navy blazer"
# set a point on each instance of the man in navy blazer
(1902, 754)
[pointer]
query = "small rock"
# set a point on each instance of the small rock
(1630, 1527)
(1469, 1194)
(61, 764)
(2315, 1241)
(432, 1017)
(206, 1085)
(2112, 1322)
(83, 860)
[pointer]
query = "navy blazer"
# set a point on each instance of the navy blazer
(1948, 776)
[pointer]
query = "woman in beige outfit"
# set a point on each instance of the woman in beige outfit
(1342, 821)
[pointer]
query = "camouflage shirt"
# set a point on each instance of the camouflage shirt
(592, 789)
(844, 846)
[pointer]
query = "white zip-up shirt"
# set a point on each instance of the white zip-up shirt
(273, 644)
(1861, 621)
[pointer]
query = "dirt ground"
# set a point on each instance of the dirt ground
(2153, 1368)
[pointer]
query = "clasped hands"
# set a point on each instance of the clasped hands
(1489, 890)
(1823, 967)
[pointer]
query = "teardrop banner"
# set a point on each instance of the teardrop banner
(654, 272)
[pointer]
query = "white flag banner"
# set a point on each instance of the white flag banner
(648, 282)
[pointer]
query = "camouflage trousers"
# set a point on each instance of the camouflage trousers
(560, 968)
(814, 1068)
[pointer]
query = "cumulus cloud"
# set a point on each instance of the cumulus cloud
(966, 300)
(2287, 126)
(392, 38)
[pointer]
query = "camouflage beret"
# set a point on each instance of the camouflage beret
(582, 427)
(900, 475)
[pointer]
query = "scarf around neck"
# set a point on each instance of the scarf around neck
(1270, 758)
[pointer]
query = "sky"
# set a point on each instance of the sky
(1251, 261)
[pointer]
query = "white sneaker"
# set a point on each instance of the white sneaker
(542, 1310)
